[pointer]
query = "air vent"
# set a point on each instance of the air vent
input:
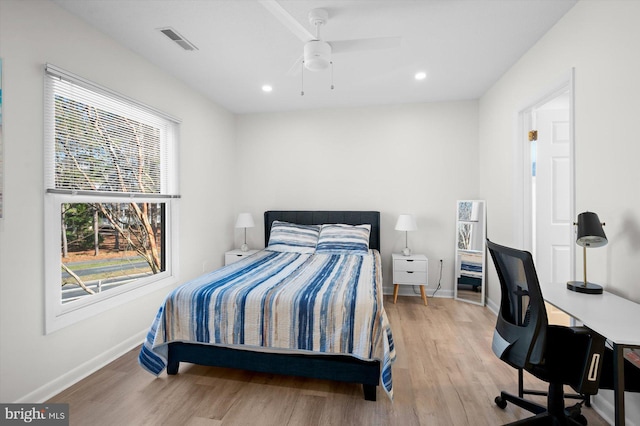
(178, 39)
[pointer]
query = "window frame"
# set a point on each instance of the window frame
(57, 314)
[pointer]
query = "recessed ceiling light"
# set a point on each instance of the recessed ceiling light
(420, 75)
(267, 88)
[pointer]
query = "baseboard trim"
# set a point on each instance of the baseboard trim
(61, 383)
(493, 306)
(602, 403)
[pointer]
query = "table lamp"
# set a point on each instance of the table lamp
(590, 234)
(406, 222)
(245, 220)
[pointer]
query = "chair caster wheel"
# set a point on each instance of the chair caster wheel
(581, 419)
(573, 413)
(500, 402)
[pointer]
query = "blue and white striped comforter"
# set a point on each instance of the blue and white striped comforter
(471, 265)
(281, 301)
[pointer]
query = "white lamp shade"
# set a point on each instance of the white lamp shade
(406, 222)
(245, 220)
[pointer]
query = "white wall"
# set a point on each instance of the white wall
(32, 365)
(417, 158)
(600, 39)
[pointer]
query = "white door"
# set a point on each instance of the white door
(552, 193)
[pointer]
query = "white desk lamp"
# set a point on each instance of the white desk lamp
(245, 220)
(406, 222)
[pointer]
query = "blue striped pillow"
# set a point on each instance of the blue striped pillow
(344, 239)
(290, 237)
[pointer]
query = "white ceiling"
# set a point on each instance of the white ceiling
(464, 46)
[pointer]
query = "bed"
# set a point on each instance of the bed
(273, 312)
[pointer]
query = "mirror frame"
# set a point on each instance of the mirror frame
(482, 223)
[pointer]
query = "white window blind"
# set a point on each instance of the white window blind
(111, 189)
(99, 141)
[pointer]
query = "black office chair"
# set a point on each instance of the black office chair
(524, 339)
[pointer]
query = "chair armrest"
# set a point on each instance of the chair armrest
(575, 356)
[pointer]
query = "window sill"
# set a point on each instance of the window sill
(61, 316)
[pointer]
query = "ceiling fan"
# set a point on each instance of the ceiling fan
(317, 52)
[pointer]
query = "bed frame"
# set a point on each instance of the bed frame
(328, 367)
(474, 282)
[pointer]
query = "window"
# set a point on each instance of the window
(110, 198)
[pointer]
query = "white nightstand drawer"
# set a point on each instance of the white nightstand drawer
(408, 277)
(235, 255)
(409, 265)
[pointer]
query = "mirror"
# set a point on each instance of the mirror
(471, 228)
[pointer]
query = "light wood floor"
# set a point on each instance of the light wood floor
(445, 374)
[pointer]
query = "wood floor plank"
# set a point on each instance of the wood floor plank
(445, 374)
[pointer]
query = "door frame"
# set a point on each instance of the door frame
(522, 162)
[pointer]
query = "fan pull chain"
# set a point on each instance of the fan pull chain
(331, 62)
(302, 80)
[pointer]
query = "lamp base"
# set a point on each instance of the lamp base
(582, 287)
(244, 247)
(406, 251)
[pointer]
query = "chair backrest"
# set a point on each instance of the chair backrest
(520, 334)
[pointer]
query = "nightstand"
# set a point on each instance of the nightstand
(235, 255)
(410, 270)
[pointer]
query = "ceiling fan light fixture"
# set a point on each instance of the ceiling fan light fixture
(317, 55)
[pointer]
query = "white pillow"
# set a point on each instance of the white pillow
(344, 239)
(290, 237)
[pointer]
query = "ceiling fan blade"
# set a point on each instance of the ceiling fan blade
(296, 67)
(378, 43)
(287, 20)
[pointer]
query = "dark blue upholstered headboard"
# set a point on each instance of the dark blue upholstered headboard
(319, 217)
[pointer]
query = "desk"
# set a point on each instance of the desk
(614, 317)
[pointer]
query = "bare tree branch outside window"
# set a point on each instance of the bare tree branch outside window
(100, 151)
